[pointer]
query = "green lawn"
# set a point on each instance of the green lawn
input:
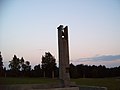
(110, 83)
(27, 80)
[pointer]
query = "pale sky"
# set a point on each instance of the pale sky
(28, 28)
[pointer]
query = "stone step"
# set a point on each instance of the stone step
(47, 87)
(66, 88)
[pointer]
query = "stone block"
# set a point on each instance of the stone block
(92, 88)
(66, 88)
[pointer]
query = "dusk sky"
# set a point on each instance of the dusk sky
(28, 28)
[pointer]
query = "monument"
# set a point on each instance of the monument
(63, 49)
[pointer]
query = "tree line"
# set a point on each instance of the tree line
(18, 67)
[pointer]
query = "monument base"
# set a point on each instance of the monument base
(48, 87)
(66, 88)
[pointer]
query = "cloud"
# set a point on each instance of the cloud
(108, 60)
(101, 58)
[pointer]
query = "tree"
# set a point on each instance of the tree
(22, 64)
(37, 71)
(80, 70)
(37, 67)
(15, 65)
(73, 71)
(48, 64)
(1, 65)
(28, 66)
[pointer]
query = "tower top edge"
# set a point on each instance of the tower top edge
(61, 27)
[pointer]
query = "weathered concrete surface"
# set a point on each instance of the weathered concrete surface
(92, 88)
(48, 87)
(66, 88)
(29, 86)
(63, 50)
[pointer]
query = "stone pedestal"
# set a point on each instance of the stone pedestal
(47, 87)
(66, 88)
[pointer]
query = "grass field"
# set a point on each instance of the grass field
(27, 80)
(110, 83)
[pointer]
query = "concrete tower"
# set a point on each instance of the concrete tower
(63, 49)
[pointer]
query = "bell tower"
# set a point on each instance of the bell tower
(63, 50)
